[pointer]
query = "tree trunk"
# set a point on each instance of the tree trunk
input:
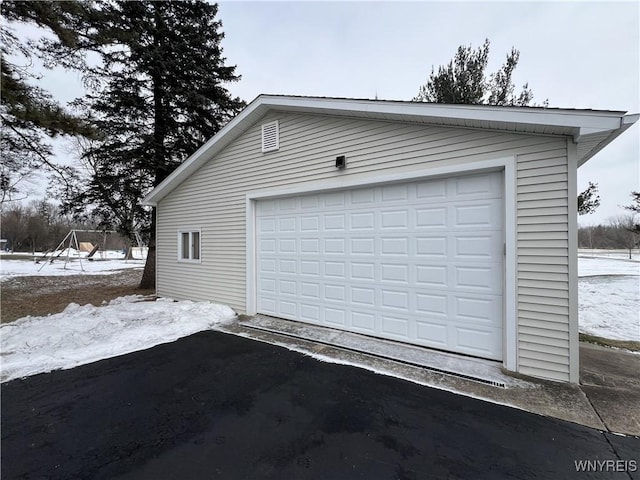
(160, 157)
(149, 274)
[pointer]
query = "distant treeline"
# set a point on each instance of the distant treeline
(620, 233)
(39, 226)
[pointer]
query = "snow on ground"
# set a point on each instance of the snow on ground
(609, 306)
(609, 296)
(85, 334)
(24, 268)
(588, 266)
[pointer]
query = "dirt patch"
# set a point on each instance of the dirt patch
(37, 296)
(608, 342)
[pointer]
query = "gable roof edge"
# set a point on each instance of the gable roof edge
(578, 124)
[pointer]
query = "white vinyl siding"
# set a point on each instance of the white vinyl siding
(214, 198)
(543, 270)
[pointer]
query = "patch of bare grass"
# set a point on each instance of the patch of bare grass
(40, 296)
(607, 342)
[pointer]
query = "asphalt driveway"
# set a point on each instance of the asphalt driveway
(214, 405)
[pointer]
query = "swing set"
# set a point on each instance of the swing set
(69, 242)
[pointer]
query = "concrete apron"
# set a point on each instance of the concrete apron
(604, 402)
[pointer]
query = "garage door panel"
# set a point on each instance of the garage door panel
(267, 265)
(435, 246)
(285, 204)
(310, 268)
(334, 199)
(363, 322)
(267, 305)
(482, 343)
(334, 292)
(362, 271)
(267, 225)
(419, 262)
(287, 224)
(433, 334)
(394, 299)
(362, 197)
(310, 224)
(432, 276)
(335, 317)
(394, 246)
(287, 245)
(310, 290)
(433, 305)
(396, 327)
(268, 246)
(394, 220)
(309, 201)
(481, 246)
(476, 186)
(479, 278)
(363, 246)
(390, 272)
(335, 270)
(287, 287)
(309, 313)
(396, 193)
(478, 309)
(363, 297)
(432, 190)
(431, 218)
(334, 222)
(362, 221)
(309, 246)
(288, 308)
(288, 267)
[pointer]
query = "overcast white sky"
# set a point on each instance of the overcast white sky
(575, 54)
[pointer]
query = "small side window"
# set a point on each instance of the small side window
(185, 246)
(189, 245)
(195, 245)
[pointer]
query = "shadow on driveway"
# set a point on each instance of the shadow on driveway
(214, 405)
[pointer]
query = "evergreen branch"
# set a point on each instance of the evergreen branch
(35, 150)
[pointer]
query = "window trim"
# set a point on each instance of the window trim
(190, 232)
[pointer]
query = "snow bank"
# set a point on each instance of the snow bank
(85, 334)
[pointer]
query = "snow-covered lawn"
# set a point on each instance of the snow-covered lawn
(609, 306)
(23, 268)
(609, 296)
(85, 334)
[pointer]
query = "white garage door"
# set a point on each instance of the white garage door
(418, 262)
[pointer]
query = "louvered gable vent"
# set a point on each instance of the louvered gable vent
(270, 136)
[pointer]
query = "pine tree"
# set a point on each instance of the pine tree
(162, 95)
(29, 114)
(464, 80)
(589, 199)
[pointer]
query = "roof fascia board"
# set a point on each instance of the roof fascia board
(626, 122)
(599, 119)
(200, 156)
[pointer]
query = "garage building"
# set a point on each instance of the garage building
(451, 227)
